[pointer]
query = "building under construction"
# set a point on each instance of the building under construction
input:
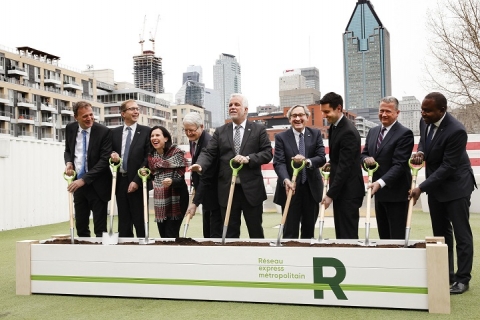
(148, 73)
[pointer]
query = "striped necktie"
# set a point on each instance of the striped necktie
(380, 137)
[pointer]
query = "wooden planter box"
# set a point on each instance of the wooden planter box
(407, 278)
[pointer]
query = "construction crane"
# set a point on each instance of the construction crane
(141, 34)
(152, 36)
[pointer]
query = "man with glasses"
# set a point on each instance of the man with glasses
(205, 185)
(300, 144)
(390, 145)
(131, 142)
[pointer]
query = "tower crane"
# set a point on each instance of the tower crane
(152, 36)
(141, 34)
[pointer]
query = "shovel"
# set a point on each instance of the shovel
(70, 205)
(110, 237)
(321, 222)
(287, 203)
(187, 219)
(415, 169)
(145, 205)
(230, 198)
(369, 201)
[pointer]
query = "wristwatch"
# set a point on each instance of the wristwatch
(248, 158)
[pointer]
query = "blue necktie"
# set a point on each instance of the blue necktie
(83, 168)
(127, 149)
(301, 149)
(429, 136)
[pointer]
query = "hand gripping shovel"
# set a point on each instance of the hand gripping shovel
(287, 203)
(415, 169)
(369, 202)
(230, 198)
(187, 219)
(145, 205)
(70, 205)
(110, 237)
(321, 222)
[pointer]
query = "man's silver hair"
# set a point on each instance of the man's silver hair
(305, 109)
(390, 99)
(193, 118)
(244, 99)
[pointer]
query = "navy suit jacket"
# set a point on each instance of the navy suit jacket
(99, 150)
(138, 153)
(255, 144)
(448, 170)
(392, 157)
(346, 180)
(205, 185)
(285, 149)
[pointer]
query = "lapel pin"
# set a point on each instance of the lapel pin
(248, 129)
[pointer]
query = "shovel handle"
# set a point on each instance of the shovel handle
(144, 177)
(297, 170)
(325, 174)
(235, 170)
(415, 167)
(369, 170)
(115, 165)
(69, 178)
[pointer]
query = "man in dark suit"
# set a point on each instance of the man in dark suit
(135, 139)
(347, 188)
(449, 184)
(87, 150)
(390, 145)
(246, 143)
(299, 144)
(205, 185)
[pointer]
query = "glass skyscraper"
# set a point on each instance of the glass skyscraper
(366, 56)
(227, 79)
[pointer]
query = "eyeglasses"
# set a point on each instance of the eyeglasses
(133, 109)
(188, 131)
(301, 115)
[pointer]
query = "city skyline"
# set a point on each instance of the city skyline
(308, 34)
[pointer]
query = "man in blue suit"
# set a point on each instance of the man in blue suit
(449, 184)
(390, 145)
(299, 144)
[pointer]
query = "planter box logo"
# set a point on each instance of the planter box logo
(333, 282)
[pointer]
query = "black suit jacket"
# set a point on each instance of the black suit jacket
(392, 157)
(99, 150)
(138, 153)
(448, 170)
(346, 180)
(206, 191)
(255, 144)
(285, 149)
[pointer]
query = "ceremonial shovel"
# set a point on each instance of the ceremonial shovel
(415, 169)
(187, 219)
(230, 198)
(145, 205)
(369, 201)
(70, 205)
(287, 203)
(110, 237)
(321, 222)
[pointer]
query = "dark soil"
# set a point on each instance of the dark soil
(192, 242)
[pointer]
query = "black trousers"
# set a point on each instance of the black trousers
(130, 209)
(251, 214)
(346, 215)
(391, 219)
(212, 223)
(169, 228)
(86, 199)
(451, 219)
(303, 210)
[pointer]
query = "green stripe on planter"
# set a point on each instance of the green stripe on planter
(239, 284)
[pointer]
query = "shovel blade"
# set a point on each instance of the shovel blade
(185, 230)
(109, 238)
(146, 241)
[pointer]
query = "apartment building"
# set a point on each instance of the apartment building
(37, 94)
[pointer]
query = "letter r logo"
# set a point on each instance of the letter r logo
(334, 282)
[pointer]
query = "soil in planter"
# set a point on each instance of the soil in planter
(192, 242)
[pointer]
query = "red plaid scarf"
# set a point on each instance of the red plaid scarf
(167, 199)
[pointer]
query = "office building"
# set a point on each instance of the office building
(366, 45)
(410, 113)
(191, 92)
(312, 77)
(147, 72)
(227, 79)
(214, 105)
(197, 69)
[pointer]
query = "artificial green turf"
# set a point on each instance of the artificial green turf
(76, 307)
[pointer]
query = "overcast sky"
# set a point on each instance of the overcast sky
(267, 37)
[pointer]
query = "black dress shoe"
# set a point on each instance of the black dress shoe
(458, 288)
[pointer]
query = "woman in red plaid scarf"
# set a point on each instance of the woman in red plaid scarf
(168, 165)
